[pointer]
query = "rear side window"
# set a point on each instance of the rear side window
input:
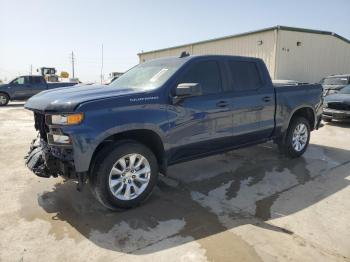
(36, 80)
(206, 73)
(244, 75)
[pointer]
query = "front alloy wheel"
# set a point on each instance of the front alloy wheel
(129, 176)
(4, 99)
(124, 174)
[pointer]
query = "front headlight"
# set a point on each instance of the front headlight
(67, 119)
(325, 104)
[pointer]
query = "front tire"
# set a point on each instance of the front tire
(297, 138)
(4, 99)
(124, 175)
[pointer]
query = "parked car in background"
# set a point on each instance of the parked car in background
(279, 82)
(23, 87)
(337, 106)
(332, 84)
(163, 112)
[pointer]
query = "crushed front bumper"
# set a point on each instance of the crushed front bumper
(46, 161)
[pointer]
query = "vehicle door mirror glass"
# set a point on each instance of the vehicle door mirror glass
(187, 90)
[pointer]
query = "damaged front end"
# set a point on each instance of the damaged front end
(46, 160)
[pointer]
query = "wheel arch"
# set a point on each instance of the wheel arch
(147, 137)
(8, 95)
(303, 111)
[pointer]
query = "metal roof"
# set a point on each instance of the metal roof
(278, 27)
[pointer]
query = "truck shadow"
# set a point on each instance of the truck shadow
(202, 198)
(14, 105)
(341, 124)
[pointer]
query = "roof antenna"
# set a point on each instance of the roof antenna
(184, 54)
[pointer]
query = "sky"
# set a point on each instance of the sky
(44, 33)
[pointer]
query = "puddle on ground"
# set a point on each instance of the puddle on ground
(191, 210)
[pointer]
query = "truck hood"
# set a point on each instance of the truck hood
(343, 98)
(66, 99)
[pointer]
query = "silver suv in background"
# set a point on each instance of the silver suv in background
(334, 83)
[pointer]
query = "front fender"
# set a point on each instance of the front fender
(99, 125)
(7, 91)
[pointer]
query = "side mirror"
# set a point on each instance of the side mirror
(187, 90)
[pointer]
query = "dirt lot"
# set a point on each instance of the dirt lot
(246, 205)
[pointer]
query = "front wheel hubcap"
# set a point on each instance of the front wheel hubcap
(129, 176)
(3, 100)
(300, 136)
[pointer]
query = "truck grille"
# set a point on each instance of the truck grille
(39, 120)
(339, 106)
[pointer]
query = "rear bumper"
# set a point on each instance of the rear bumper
(46, 161)
(335, 114)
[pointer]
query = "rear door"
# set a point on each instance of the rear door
(38, 84)
(253, 102)
(201, 124)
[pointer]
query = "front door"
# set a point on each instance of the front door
(22, 88)
(201, 124)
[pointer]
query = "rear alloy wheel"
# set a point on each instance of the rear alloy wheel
(4, 99)
(124, 175)
(300, 137)
(297, 138)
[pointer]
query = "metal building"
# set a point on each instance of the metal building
(290, 53)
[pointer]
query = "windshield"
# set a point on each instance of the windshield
(335, 81)
(149, 75)
(345, 90)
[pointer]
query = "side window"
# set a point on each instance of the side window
(244, 75)
(207, 74)
(19, 81)
(26, 80)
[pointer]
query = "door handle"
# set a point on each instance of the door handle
(222, 104)
(266, 98)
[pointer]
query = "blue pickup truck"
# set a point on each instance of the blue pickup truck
(162, 112)
(23, 87)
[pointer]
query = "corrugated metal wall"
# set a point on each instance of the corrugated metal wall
(317, 56)
(246, 45)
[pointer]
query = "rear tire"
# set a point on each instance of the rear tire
(124, 175)
(297, 138)
(4, 99)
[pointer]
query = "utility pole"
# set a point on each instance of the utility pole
(102, 64)
(31, 70)
(73, 64)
